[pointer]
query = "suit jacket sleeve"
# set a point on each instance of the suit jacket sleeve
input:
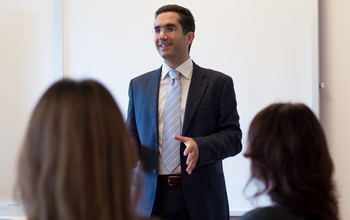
(218, 119)
(131, 122)
(142, 117)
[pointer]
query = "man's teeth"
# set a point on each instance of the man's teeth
(164, 45)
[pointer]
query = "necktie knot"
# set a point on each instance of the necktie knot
(174, 74)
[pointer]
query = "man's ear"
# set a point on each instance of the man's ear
(190, 37)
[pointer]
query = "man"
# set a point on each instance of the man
(187, 183)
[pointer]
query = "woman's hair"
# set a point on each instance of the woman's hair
(289, 155)
(77, 158)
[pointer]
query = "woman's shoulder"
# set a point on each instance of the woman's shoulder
(271, 213)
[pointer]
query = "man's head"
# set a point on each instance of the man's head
(186, 18)
(173, 33)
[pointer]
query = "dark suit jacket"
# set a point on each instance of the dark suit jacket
(211, 119)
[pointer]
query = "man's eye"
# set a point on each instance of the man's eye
(157, 30)
(170, 29)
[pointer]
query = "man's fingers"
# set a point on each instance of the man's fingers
(181, 138)
(191, 152)
(189, 159)
(187, 151)
(190, 168)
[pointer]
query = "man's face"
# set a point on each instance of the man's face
(172, 46)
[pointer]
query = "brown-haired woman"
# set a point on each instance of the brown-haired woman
(76, 162)
(289, 155)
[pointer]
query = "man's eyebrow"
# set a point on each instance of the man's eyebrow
(167, 25)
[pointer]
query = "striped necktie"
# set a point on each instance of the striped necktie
(172, 123)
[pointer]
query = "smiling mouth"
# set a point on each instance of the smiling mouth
(164, 45)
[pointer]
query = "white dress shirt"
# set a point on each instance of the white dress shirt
(186, 70)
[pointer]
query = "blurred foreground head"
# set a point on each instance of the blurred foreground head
(289, 155)
(77, 158)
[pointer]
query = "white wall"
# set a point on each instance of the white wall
(27, 67)
(335, 99)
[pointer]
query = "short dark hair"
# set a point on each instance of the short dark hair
(186, 17)
(289, 155)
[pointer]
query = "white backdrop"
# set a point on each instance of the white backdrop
(268, 47)
(27, 68)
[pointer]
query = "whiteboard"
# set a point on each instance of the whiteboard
(268, 47)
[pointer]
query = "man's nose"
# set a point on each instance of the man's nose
(162, 34)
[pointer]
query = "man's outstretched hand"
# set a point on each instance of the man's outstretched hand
(191, 152)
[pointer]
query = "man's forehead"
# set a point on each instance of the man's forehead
(167, 17)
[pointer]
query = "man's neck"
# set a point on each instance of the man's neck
(176, 64)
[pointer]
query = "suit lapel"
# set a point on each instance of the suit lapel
(197, 88)
(153, 88)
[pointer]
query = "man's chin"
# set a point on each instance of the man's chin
(164, 55)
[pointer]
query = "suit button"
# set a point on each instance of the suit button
(154, 171)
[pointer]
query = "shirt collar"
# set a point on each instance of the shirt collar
(186, 68)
